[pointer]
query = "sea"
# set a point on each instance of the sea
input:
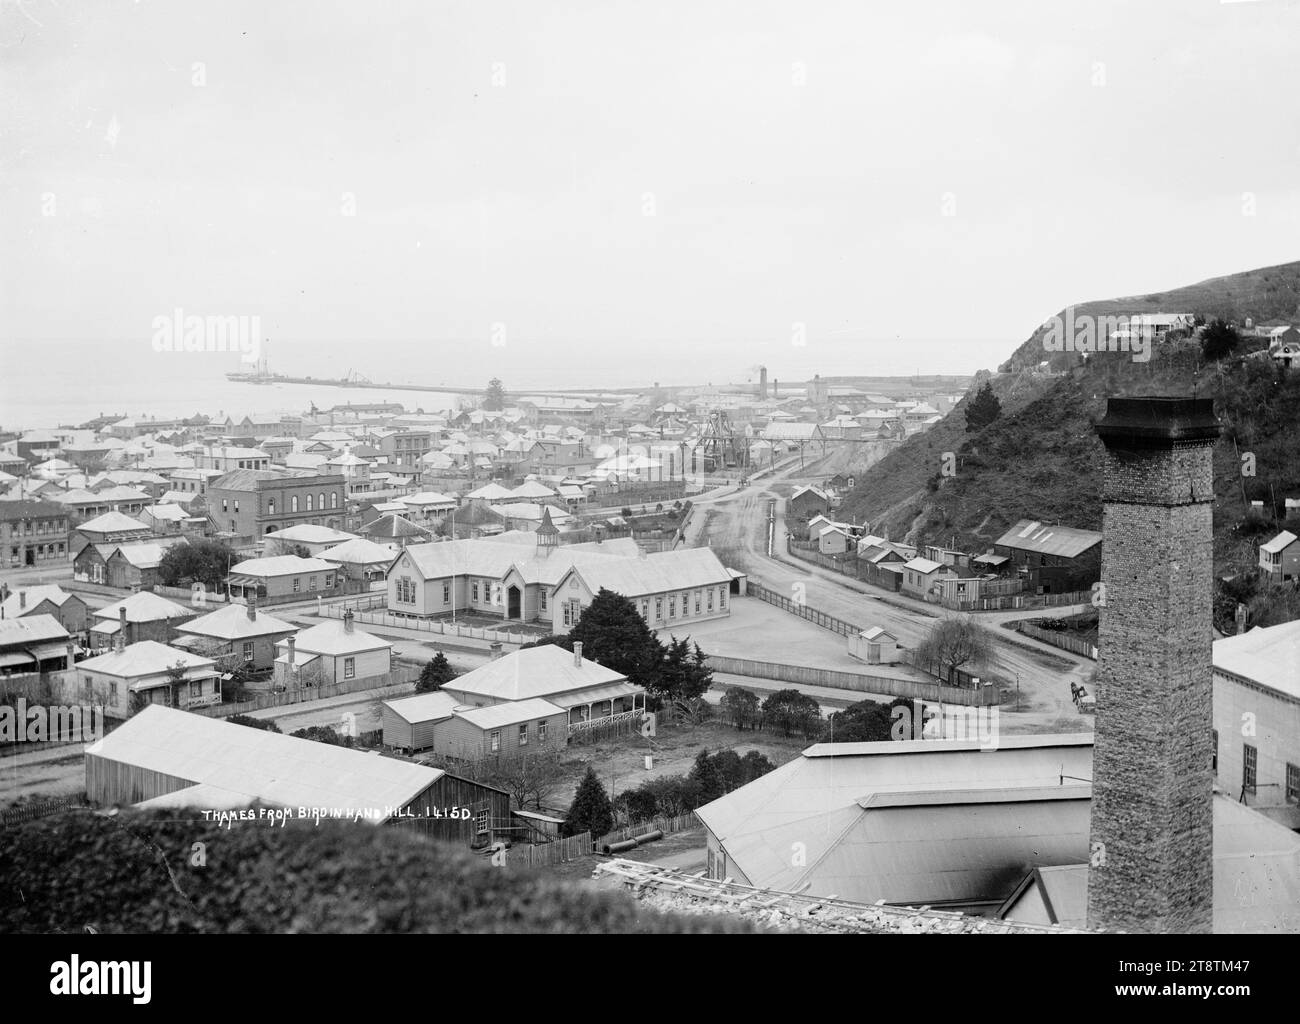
(58, 383)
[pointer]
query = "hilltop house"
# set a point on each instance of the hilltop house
(1279, 558)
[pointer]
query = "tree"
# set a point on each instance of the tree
(264, 724)
(638, 804)
(527, 777)
(591, 810)
(1218, 340)
(684, 675)
(954, 642)
(626, 513)
(495, 399)
(704, 772)
(613, 633)
(324, 734)
(200, 561)
(756, 765)
(983, 409)
(792, 712)
(740, 706)
(434, 674)
(730, 770)
(867, 721)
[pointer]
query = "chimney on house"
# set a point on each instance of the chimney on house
(577, 654)
(347, 621)
(22, 599)
(1151, 862)
(121, 625)
(291, 641)
(494, 649)
(252, 608)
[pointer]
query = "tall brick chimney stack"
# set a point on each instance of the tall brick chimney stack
(1152, 786)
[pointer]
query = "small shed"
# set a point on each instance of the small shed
(875, 646)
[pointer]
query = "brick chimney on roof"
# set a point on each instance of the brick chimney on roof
(119, 642)
(347, 621)
(22, 599)
(1151, 864)
(577, 654)
(252, 609)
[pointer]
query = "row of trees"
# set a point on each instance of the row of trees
(711, 776)
(796, 714)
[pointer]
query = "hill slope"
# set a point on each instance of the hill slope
(1041, 459)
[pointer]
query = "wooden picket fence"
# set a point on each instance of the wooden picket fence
(1058, 638)
(666, 825)
(545, 855)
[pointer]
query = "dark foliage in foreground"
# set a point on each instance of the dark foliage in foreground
(137, 873)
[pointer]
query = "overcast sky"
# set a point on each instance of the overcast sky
(681, 177)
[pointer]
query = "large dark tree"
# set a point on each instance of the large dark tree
(495, 400)
(591, 810)
(867, 721)
(685, 674)
(613, 633)
(705, 773)
(434, 674)
(983, 409)
(792, 712)
(740, 707)
(200, 561)
(1219, 339)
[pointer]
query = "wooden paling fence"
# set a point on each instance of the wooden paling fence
(401, 676)
(1063, 640)
(803, 610)
(666, 825)
(544, 855)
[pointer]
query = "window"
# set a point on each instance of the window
(1248, 754)
(568, 607)
(573, 582)
(722, 597)
(659, 607)
(310, 506)
(196, 688)
(710, 599)
(349, 668)
(645, 610)
(480, 821)
(405, 590)
(473, 590)
(541, 598)
(293, 503)
(224, 506)
(329, 581)
(697, 602)
(321, 506)
(297, 584)
(672, 606)
(541, 732)
(1293, 783)
(334, 499)
(494, 741)
(112, 692)
(236, 506)
(523, 735)
(311, 582)
(446, 593)
(1214, 753)
(270, 506)
(248, 650)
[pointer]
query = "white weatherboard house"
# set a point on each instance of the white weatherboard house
(332, 652)
(583, 689)
(154, 672)
(440, 722)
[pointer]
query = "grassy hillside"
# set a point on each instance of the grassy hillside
(1042, 460)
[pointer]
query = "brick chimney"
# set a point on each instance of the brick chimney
(495, 650)
(347, 621)
(1152, 788)
(289, 656)
(577, 654)
(121, 628)
(251, 608)
(22, 600)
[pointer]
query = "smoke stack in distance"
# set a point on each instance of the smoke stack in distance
(577, 654)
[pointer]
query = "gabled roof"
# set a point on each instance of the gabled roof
(1279, 543)
(359, 551)
(309, 533)
(32, 629)
(1267, 655)
(146, 554)
(512, 712)
(36, 596)
(924, 565)
(146, 658)
(682, 569)
(231, 764)
(280, 565)
(231, 622)
(808, 489)
(424, 707)
(394, 527)
(144, 607)
(533, 672)
(113, 522)
(332, 638)
(1062, 541)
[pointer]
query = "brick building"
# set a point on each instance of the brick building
(33, 533)
(1153, 777)
(250, 503)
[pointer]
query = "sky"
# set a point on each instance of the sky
(613, 193)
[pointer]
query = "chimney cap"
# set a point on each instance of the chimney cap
(1157, 422)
